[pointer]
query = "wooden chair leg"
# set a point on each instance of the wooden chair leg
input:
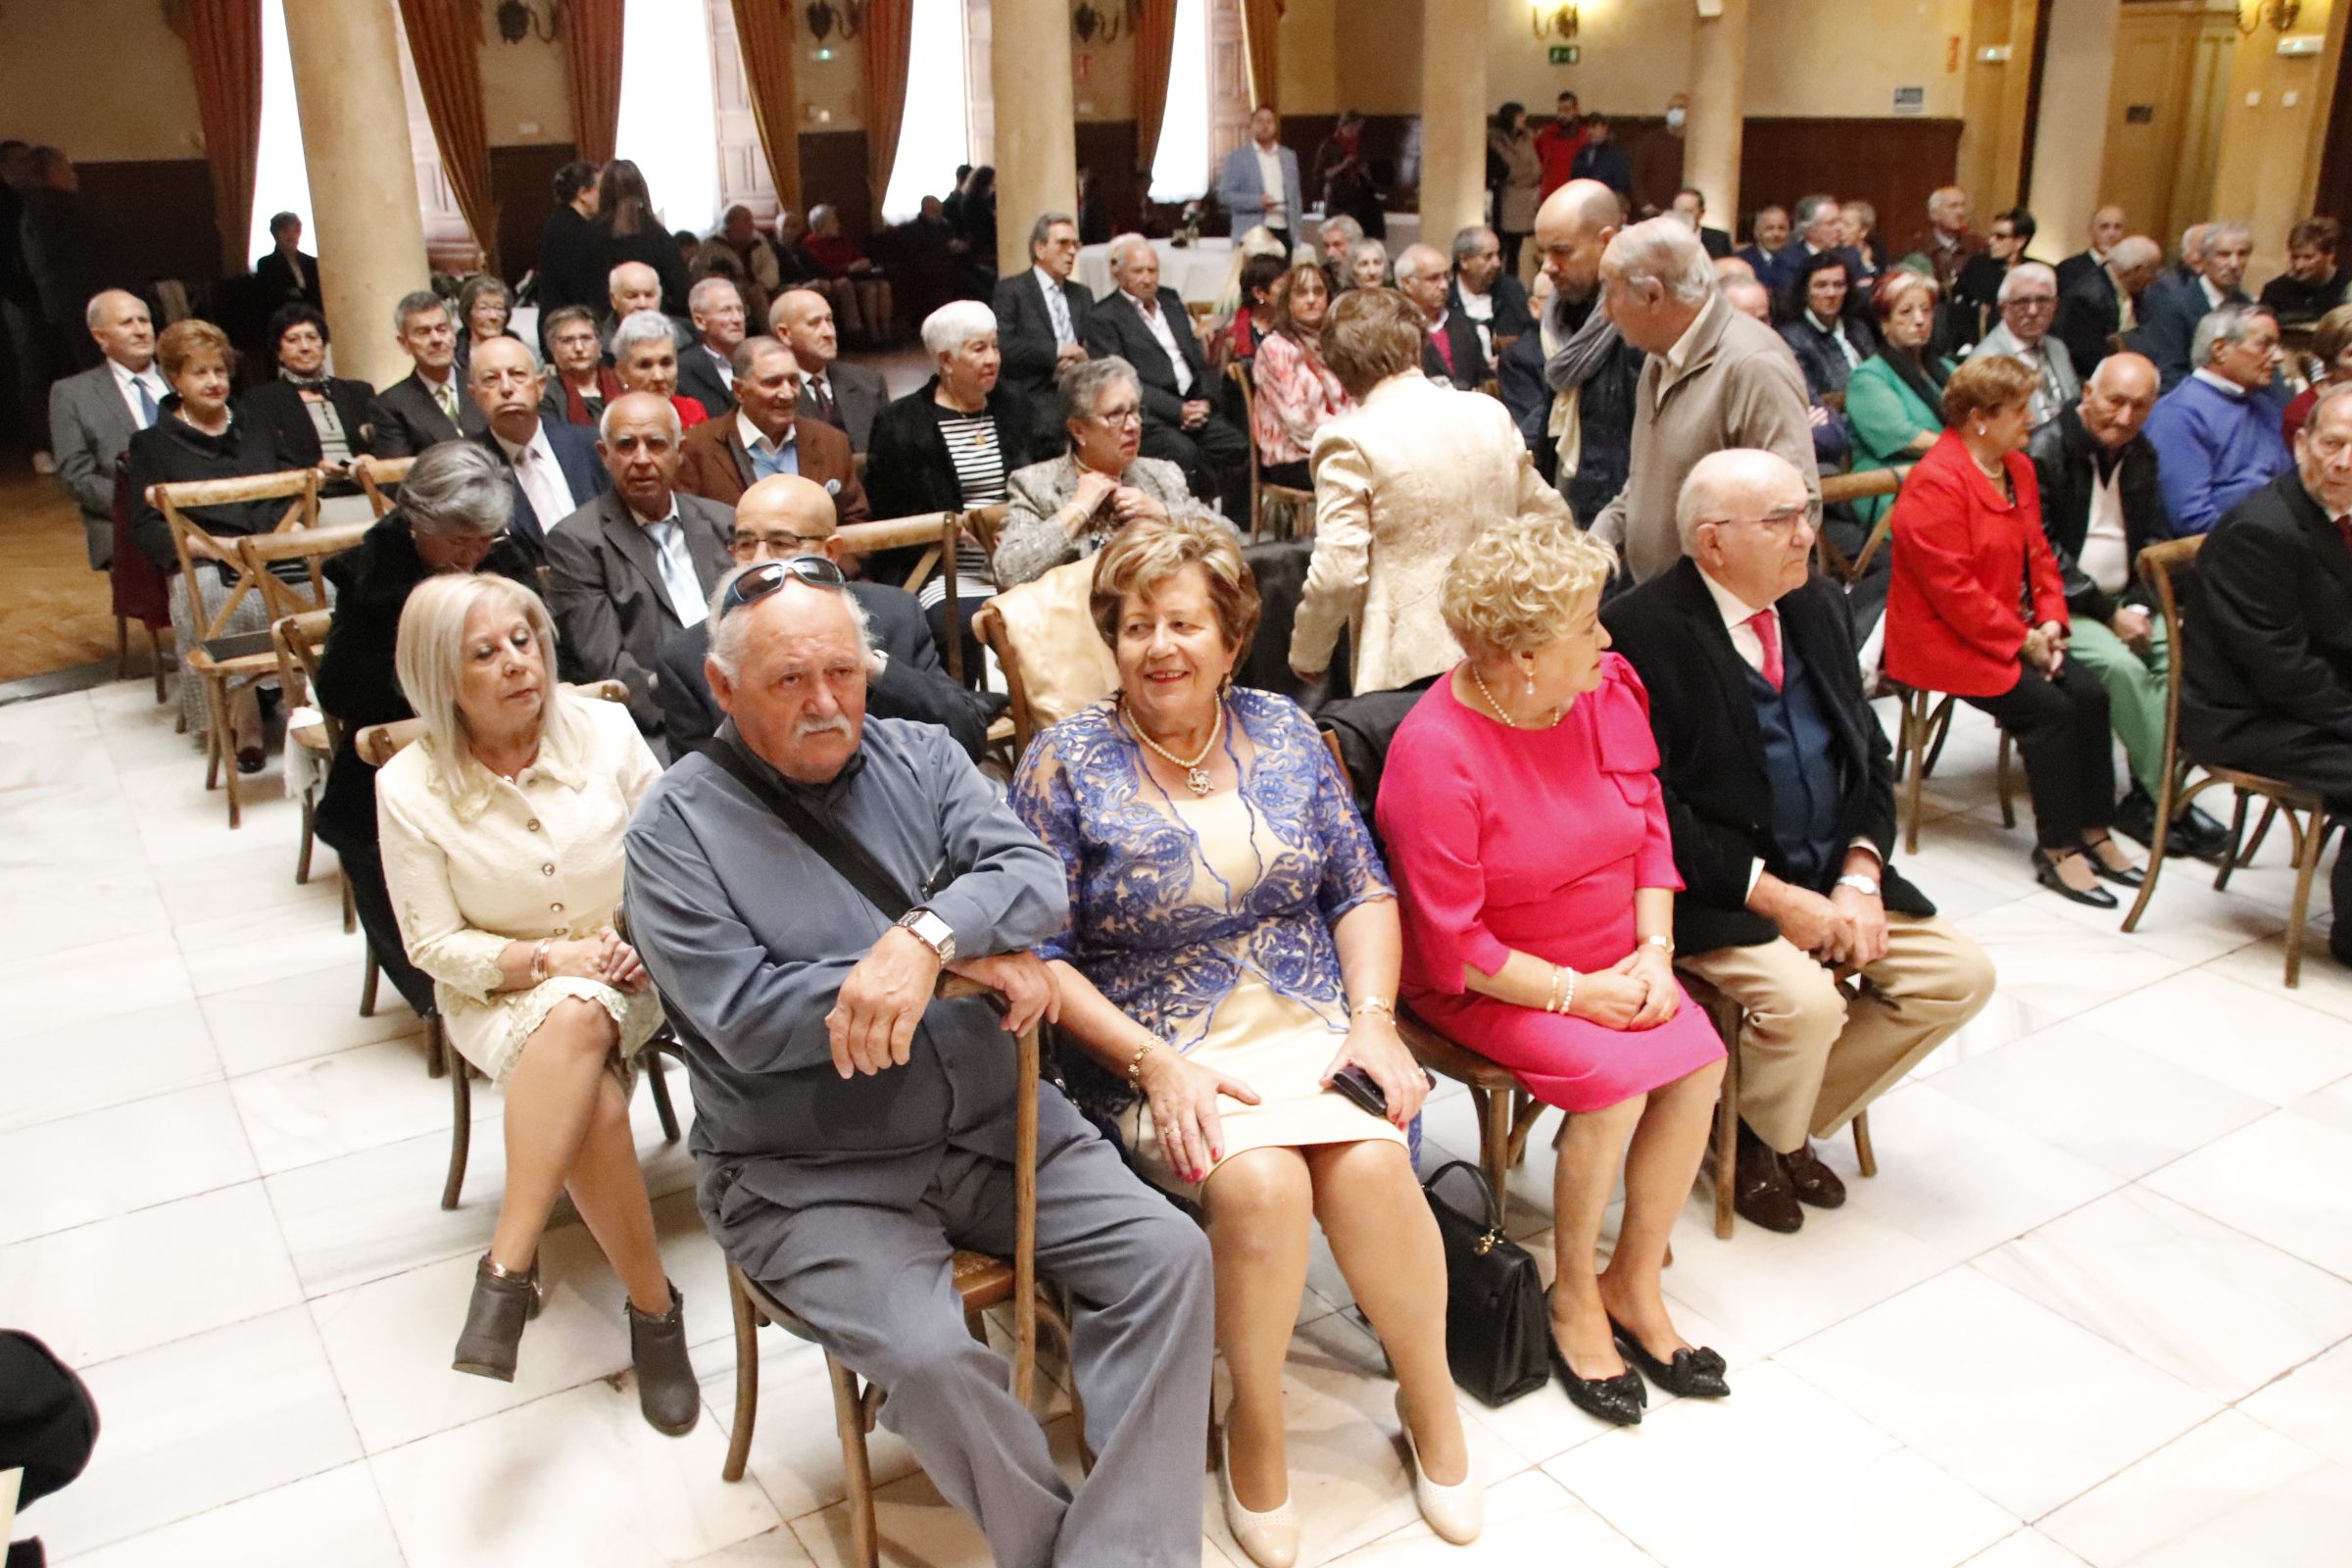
(1494, 1144)
(1914, 754)
(216, 735)
(747, 1377)
(2307, 864)
(302, 856)
(2237, 837)
(2166, 795)
(1864, 1154)
(662, 1105)
(367, 979)
(849, 1414)
(461, 1105)
(155, 660)
(1727, 1153)
(351, 917)
(2262, 830)
(2001, 781)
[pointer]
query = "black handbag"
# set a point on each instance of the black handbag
(1497, 1327)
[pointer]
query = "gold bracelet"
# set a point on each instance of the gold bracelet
(1664, 944)
(539, 959)
(1373, 1004)
(1552, 995)
(1135, 1068)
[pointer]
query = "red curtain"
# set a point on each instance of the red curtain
(1154, 50)
(592, 47)
(1261, 25)
(763, 32)
(445, 39)
(889, 33)
(223, 41)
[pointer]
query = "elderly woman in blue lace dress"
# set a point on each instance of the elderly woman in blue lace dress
(1233, 947)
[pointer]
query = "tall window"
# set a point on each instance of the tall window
(934, 134)
(281, 177)
(668, 127)
(1180, 165)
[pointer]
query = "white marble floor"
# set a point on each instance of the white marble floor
(2096, 1309)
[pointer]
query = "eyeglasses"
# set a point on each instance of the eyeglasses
(1112, 418)
(1783, 521)
(744, 544)
(2039, 302)
(817, 571)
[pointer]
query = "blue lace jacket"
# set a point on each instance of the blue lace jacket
(1166, 962)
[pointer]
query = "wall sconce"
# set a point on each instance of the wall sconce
(519, 19)
(851, 18)
(1550, 20)
(1107, 25)
(2282, 15)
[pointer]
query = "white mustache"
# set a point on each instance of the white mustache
(835, 725)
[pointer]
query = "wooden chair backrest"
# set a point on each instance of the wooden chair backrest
(298, 488)
(312, 548)
(377, 475)
(1838, 488)
(934, 532)
(986, 525)
(299, 641)
(1239, 374)
(2160, 565)
(378, 744)
(996, 626)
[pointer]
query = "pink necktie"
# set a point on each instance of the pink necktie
(1767, 624)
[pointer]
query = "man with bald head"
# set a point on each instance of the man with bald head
(797, 890)
(786, 516)
(552, 466)
(1450, 348)
(639, 562)
(846, 397)
(1780, 794)
(93, 414)
(769, 432)
(629, 288)
(2104, 301)
(2102, 506)
(1576, 409)
(2106, 231)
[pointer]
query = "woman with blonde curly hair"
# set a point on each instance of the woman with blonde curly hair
(1522, 813)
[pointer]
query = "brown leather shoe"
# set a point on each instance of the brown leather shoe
(1761, 1190)
(1815, 1183)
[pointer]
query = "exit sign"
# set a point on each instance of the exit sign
(1566, 54)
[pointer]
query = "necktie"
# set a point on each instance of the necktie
(824, 402)
(2343, 528)
(1059, 309)
(147, 404)
(677, 572)
(446, 396)
(1767, 626)
(1444, 349)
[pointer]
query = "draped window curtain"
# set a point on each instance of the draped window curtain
(889, 35)
(592, 31)
(763, 32)
(1154, 50)
(445, 40)
(224, 42)
(1261, 25)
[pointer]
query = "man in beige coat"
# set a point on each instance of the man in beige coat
(1401, 486)
(1715, 380)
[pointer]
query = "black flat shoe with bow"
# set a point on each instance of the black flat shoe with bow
(1693, 1374)
(2045, 872)
(1617, 1400)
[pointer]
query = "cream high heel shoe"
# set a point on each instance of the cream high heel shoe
(1458, 1512)
(1271, 1538)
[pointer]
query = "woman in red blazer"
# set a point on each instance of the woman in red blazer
(1968, 556)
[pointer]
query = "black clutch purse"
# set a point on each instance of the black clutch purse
(1497, 1327)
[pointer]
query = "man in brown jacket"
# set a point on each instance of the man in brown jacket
(766, 433)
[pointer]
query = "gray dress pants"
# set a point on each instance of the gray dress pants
(874, 1284)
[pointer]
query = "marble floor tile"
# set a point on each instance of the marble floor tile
(76, 1068)
(2035, 1411)
(84, 985)
(2215, 1307)
(360, 1098)
(289, 1527)
(59, 911)
(2312, 1404)
(2125, 1110)
(2188, 918)
(920, 1528)
(261, 947)
(2325, 985)
(2249, 1038)
(1531, 1518)
(313, 1013)
(103, 1163)
(2055, 966)
(794, 1457)
(775, 1548)
(2028, 1548)
(1778, 1473)
(2231, 1491)
(2331, 1107)
(123, 1285)
(199, 1423)
(577, 1479)
(240, 878)
(2280, 1179)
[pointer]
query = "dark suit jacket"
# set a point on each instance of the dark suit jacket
(608, 594)
(2071, 270)
(1512, 315)
(275, 284)
(914, 686)
(1779, 274)
(1758, 260)
(1025, 334)
(2168, 324)
(858, 396)
(1716, 243)
(567, 252)
(1819, 357)
(912, 471)
(700, 378)
(2089, 311)
(1609, 163)
(713, 465)
(2271, 607)
(278, 405)
(574, 447)
(1117, 326)
(1470, 368)
(1529, 397)
(404, 419)
(1711, 753)
(2064, 457)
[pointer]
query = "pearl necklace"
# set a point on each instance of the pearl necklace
(1196, 777)
(1508, 723)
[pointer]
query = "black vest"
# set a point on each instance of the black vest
(1800, 759)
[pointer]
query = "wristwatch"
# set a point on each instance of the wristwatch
(1861, 884)
(932, 932)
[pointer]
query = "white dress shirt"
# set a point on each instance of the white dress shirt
(2106, 558)
(542, 477)
(1269, 175)
(129, 381)
(678, 579)
(1479, 308)
(1157, 320)
(1058, 308)
(1835, 332)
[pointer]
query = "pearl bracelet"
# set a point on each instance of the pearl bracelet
(1135, 1068)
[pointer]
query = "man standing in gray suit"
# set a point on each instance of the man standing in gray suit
(95, 412)
(1259, 183)
(850, 1132)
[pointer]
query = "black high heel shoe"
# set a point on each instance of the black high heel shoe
(2045, 872)
(1617, 1400)
(1693, 1374)
(2130, 876)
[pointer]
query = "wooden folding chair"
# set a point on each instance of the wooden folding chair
(2307, 817)
(934, 534)
(298, 641)
(1845, 487)
(222, 662)
(1926, 721)
(377, 476)
(1268, 502)
(982, 1280)
(1037, 626)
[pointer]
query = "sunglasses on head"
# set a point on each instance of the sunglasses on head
(765, 578)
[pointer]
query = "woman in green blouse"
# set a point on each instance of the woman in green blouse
(1894, 398)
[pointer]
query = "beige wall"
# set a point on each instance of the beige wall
(1636, 54)
(1311, 77)
(524, 84)
(1846, 57)
(133, 101)
(2071, 141)
(2273, 124)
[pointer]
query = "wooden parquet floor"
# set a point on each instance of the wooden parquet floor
(54, 610)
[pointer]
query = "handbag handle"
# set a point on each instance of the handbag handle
(1486, 1190)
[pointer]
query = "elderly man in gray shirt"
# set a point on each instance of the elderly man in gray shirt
(850, 1132)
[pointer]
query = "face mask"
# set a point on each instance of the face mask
(1674, 120)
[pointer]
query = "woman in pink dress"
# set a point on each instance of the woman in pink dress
(1524, 823)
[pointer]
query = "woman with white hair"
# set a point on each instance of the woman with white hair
(500, 831)
(645, 353)
(948, 446)
(1367, 265)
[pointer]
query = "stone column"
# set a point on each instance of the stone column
(1037, 144)
(355, 135)
(1718, 113)
(1454, 117)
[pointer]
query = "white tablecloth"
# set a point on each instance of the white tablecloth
(1196, 271)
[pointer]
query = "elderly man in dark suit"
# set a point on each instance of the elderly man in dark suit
(846, 397)
(1692, 203)
(2106, 231)
(1149, 327)
(428, 404)
(1259, 182)
(2270, 690)
(551, 467)
(1041, 325)
(2167, 327)
(1780, 794)
(2104, 301)
(1820, 224)
(93, 414)
(706, 367)
(784, 516)
(768, 435)
(639, 562)
(1486, 296)
(1453, 350)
